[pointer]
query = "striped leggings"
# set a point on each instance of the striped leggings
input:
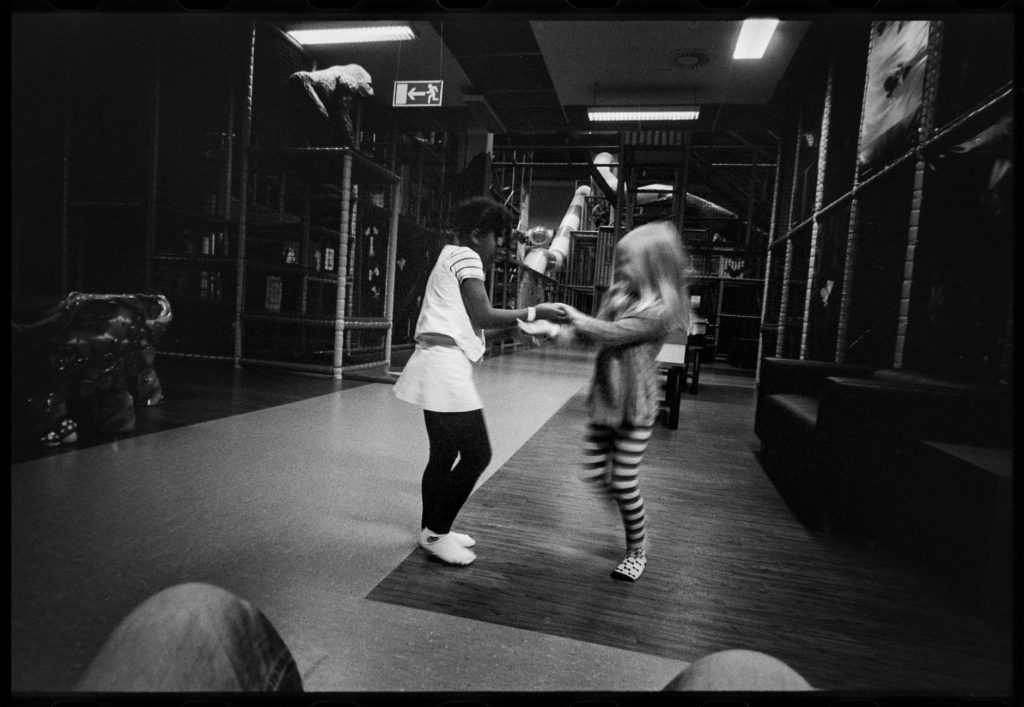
(624, 447)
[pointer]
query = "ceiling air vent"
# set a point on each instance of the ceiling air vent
(688, 59)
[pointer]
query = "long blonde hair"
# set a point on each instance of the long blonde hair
(653, 277)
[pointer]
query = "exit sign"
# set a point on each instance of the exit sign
(418, 93)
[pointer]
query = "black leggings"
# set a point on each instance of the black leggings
(446, 485)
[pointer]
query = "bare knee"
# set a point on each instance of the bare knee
(193, 597)
(183, 620)
(738, 670)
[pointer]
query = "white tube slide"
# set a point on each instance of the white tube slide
(549, 261)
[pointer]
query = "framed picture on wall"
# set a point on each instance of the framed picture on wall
(897, 61)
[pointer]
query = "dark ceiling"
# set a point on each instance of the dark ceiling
(529, 81)
(540, 75)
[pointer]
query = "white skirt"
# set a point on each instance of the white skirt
(439, 379)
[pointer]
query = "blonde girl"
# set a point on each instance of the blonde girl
(647, 301)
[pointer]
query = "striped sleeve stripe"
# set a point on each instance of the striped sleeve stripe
(468, 266)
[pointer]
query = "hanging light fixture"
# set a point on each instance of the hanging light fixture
(611, 114)
(353, 34)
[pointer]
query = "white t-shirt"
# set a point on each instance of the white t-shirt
(443, 311)
(439, 375)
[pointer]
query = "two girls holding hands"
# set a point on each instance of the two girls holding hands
(646, 302)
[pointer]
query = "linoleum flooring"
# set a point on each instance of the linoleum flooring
(307, 504)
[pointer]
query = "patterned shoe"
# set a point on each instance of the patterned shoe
(65, 433)
(632, 567)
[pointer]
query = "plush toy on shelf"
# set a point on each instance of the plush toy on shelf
(321, 104)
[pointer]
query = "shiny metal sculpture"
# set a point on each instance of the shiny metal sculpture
(90, 363)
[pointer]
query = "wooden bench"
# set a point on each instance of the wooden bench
(673, 358)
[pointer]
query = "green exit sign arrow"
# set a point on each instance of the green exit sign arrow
(417, 93)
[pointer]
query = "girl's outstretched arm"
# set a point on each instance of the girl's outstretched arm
(484, 316)
(637, 327)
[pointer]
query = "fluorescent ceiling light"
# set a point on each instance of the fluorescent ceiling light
(353, 35)
(754, 38)
(622, 115)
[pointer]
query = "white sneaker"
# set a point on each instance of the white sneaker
(461, 538)
(445, 548)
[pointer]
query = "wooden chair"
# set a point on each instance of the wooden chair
(675, 357)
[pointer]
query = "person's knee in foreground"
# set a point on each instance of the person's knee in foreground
(438, 377)
(738, 671)
(648, 300)
(193, 637)
(200, 638)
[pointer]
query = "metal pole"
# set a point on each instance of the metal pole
(64, 230)
(243, 200)
(304, 258)
(419, 187)
(229, 154)
(153, 184)
(350, 274)
(620, 194)
(787, 268)
(389, 287)
(851, 238)
(925, 128)
(768, 263)
(682, 184)
(339, 308)
(819, 197)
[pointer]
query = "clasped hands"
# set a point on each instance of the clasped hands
(550, 320)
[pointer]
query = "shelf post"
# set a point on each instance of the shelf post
(346, 232)
(389, 285)
(243, 199)
(350, 275)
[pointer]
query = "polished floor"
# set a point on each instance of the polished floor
(306, 503)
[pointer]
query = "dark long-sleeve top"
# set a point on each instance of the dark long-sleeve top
(625, 389)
